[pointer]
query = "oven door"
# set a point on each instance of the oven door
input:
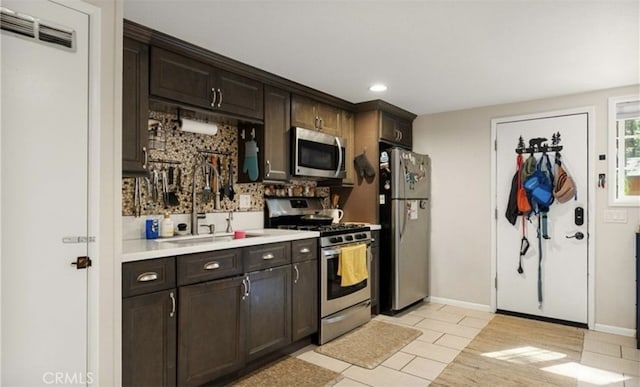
(318, 154)
(333, 297)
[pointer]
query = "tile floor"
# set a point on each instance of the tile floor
(606, 359)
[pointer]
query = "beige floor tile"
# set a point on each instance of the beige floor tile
(632, 381)
(346, 382)
(424, 368)
(630, 353)
(451, 341)
(439, 315)
(407, 319)
(467, 312)
(383, 377)
(428, 335)
(602, 347)
(324, 361)
(431, 351)
(610, 338)
(398, 360)
(610, 363)
(474, 322)
(454, 329)
(429, 306)
(306, 349)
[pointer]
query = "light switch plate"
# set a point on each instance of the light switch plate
(245, 202)
(615, 216)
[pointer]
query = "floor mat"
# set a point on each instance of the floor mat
(288, 372)
(369, 345)
(516, 351)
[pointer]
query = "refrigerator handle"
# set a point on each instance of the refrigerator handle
(404, 195)
(339, 156)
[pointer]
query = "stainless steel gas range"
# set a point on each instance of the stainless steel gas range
(342, 308)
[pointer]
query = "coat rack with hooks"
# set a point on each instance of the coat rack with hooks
(539, 145)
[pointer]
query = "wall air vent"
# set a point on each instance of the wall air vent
(32, 28)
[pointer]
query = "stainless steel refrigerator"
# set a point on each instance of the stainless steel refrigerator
(404, 215)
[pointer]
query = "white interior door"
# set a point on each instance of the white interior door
(44, 136)
(564, 266)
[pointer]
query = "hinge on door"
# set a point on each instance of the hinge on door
(78, 239)
(495, 282)
(495, 145)
(495, 213)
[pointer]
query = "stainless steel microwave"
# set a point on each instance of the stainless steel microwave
(317, 154)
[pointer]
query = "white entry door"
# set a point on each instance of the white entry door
(44, 142)
(564, 264)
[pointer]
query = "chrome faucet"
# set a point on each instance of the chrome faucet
(229, 219)
(194, 211)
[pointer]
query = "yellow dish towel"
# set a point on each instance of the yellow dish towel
(352, 264)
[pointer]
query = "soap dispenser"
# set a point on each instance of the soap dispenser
(166, 227)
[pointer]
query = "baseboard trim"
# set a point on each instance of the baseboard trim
(615, 330)
(461, 304)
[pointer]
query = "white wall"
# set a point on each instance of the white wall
(459, 144)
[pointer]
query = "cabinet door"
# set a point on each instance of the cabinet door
(135, 107)
(277, 121)
(305, 299)
(347, 132)
(211, 330)
(269, 318)
(149, 339)
(329, 119)
(304, 113)
(388, 128)
(406, 133)
(181, 79)
(239, 95)
(266, 256)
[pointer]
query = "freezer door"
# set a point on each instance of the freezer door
(410, 250)
(410, 174)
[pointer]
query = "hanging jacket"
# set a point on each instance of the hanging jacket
(512, 206)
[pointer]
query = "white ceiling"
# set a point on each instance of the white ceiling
(434, 55)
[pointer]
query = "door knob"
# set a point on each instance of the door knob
(578, 235)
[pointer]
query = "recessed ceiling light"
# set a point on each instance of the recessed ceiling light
(378, 87)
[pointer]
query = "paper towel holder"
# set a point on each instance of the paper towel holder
(211, 131)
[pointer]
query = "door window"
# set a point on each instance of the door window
(624, 150)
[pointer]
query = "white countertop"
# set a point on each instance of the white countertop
(139, 249)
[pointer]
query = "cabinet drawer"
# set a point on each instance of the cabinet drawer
(266, 256)
(304, 250)
(148, 276)
(208, 266)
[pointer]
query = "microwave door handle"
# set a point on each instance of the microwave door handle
(339, 156)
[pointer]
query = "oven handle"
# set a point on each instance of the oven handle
(329, 252)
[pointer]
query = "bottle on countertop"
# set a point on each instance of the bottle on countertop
(166, 228)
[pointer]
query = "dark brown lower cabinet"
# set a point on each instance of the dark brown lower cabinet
(269, 311)
(149, 339)
(304, 308)
(211, 330)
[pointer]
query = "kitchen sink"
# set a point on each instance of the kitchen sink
(204, 238)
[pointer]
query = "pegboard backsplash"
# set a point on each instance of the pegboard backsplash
(179, 150)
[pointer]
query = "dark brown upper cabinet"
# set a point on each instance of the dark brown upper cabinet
(277, 121)
(395, 130)
(135, 107)
(347, 132)
(310, 114)
(189, 81)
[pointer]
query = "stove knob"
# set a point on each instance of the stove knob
(335, 240)
(349, 237)
(361, 236)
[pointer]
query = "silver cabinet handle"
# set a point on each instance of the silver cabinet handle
(248, 286)
(295, 267)
(148, 276)
(315, 123)
(339, 156)
(219, 99)
(304, 250)
(211, 266)
(173, 304)
(268, 256)
(244, 288)
(321, 123)
(268, 172)
(145, 157)
(213, 100)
